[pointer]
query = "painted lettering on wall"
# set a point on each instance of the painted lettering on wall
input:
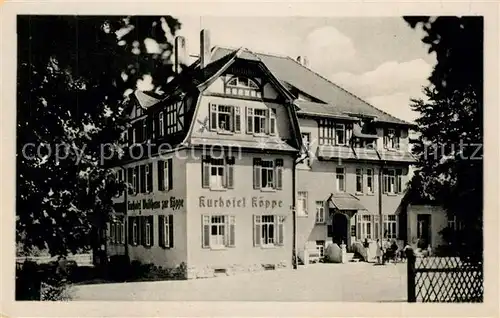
(254, 202)
(149, 204)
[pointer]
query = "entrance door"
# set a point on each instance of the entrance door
(340, 228)
(424, 230)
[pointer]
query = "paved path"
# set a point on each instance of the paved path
(318, 282)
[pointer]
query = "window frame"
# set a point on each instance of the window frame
(278, 230)
(359, 181)
(265, 226)
(320, 212)
(277, 174)
(304, 212)
(337, 174)
(241, 89)
(391, 230)
(269, 172)
(370, 177)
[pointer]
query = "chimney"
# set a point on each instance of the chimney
(204, 48)
(180, 53)
(303, 60)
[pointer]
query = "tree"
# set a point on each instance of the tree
(450, 146)
(75, 75)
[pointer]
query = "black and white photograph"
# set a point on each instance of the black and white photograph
(175, 157)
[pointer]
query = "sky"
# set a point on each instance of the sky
(381, 60)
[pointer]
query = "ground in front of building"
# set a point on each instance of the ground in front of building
(360, 282)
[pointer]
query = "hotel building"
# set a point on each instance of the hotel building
(239, 142)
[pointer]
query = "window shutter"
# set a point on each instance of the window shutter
(171, 231)
(230, 172)
(152, 229)
(279, 174)
(256, 173)
(108, 230)
(161, 230)
(249, 120)
(232, 231)
(161, 175)
(141, 230)
(205, 173)
(143, 178)
(237, 119)
(329, 230)
(150, 178)
(268, 121)
(256, 230)
(213, 116)
(272, 121)
(281, 228)
(169, 174)
(205, 233)
(130, 226)
(130, 176)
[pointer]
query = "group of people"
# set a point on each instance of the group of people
(386, 252)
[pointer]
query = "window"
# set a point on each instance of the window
(170, 118)
(320, 247)
(359, 180)
(365, 227)
(166, 231)
(161, 125)
(165, 177)
(389, 181)
(135, 180)
(218, 173)
(340, 179)
(243, 87)
(302, 203)
(112, 235)
(268, 230)
(261, 121)
(138, 111)
(267, 226)
(225, 118)
(320, 212)
(268, 174)
(369, 181)
(390, 226)
(267, 177)
(393, 181)
(144, 130)
(340, 134)
(332, 133)
(218, 231)
(391, 138)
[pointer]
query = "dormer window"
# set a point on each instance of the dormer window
(391, 138)
(242, 86)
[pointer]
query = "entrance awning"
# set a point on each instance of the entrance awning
(344, 201)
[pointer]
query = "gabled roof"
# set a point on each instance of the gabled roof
(144, 99)
(304, 79)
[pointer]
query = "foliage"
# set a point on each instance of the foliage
(449, 149)
(75, 76)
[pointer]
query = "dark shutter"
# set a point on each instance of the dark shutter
(130, 177)
(161, 230)
(150, 178)
(130, 223)
(232, 231)
(256, 230)
(142, 174)
(205, 172)
(249, 120)
(237, 119)
(130, 135)
(281, 229)
(329, 230)
(151, 230)
(205, 231)
(279, 174)
(137, 180)
(171, 231)
(170, 176)
(212, 116)
(161, 175)
(256, 173)
(230, 172)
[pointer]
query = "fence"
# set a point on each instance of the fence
(80, 259)
(444, 279)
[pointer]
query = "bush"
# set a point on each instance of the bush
(43, 282)
(119, 268)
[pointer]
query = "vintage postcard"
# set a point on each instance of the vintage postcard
(263, 159)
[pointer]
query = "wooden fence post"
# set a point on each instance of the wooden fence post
(411, 276)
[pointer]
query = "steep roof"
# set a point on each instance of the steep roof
(304, 79)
